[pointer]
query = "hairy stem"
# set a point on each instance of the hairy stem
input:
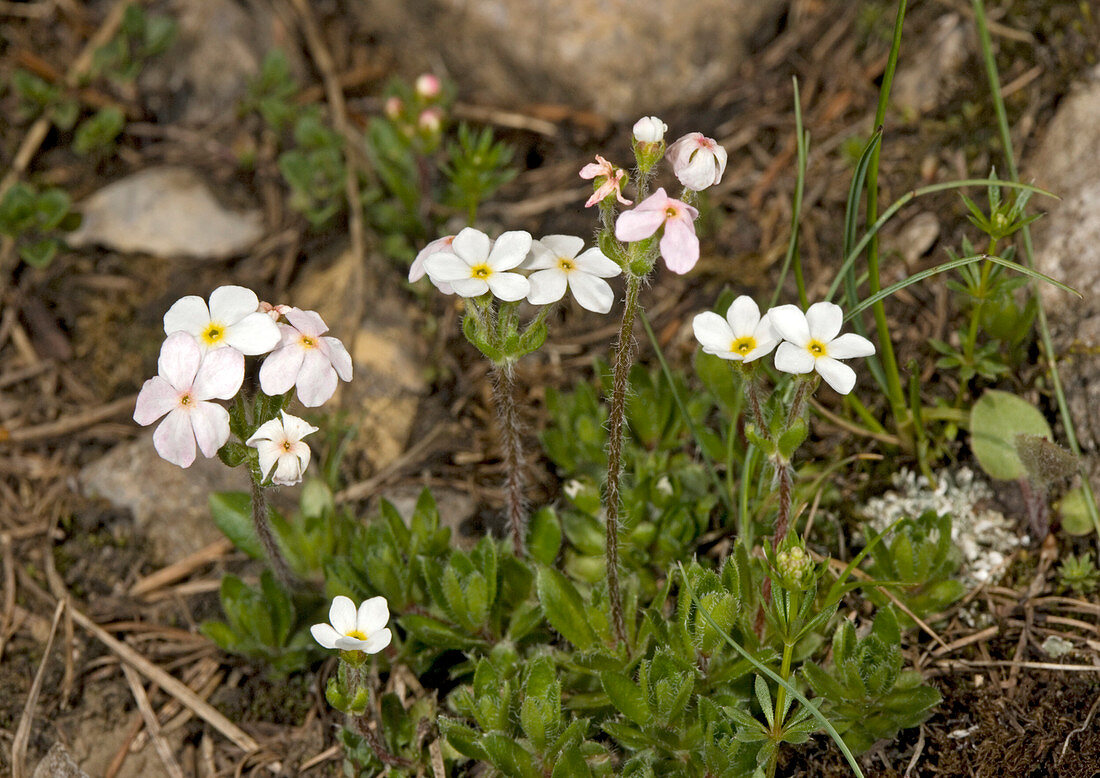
(363, 727)
(504, 398)
(624, 357)
(262, 525)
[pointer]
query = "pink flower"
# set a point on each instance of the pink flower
(274, 311)
(697, 161)
(185, 382)
(679, 246)
(306, 360)
(612, 183)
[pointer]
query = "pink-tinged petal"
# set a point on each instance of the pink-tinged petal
(713, 333)
(325, 635)
(296, 428)
(547, 286)
(268, 452)
(743, 316)
(440, 245)
(255, 334)
(156, 398)
(850, 345)
(680, 150)
(790, 324)
(345, 643)
(316, 380)
(174, 440)
(179, 360)
(378, 641)
(280, 369)
(471, 245)
(342, 614)
(210, 423)
(307, 322)
(595, 263)
(639, 223)
(608, 187)
(289, 469)
(230, 304)
(601, 167)
(567, 246)
(836, 374)
(509, 250)
(187, 314)
(679, 246)
(469, 287)
(824, 320)
(447, 267)
(591, 292)
(793, 359)
(699, 173)
(509, 286)
(220, 375)
(373, 615)
(339, 357)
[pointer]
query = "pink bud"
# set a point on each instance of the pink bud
(394, 107)
(431, 120)
(428, 86)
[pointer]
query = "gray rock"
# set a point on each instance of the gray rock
(622, 58)
(166, 212)
(58, 763)
(169, 504)
(926, 80)
(1067, 247)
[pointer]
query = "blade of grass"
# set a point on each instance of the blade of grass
(1029, 257)
(951, 265)
(802, 143)
(766, 671)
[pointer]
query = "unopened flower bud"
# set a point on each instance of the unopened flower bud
(393, 107)
(697, 161)
(649, 129)
(795, 568)
(430, 120)
(428, 86)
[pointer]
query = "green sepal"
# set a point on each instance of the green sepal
(792, 438)
(233, 454)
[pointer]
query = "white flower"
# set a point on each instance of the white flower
(185, 382)
(417, 269)
(741, 336)
(475, 265)
(697, 161)
(556, 264)
(279, 445)
(306, 360)
(350, 630)
(812, 343)
(649, 129)
(232, 319)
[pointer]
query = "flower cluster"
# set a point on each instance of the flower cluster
(807, 342)
(469, 264)
(202, 360)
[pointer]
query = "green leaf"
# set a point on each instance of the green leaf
(436, 633)
(1075, 513)
(564, 608)
(544, 536)
(232, 514)
(995, 421)
(506, 755)
(627, 698)
(39, 253)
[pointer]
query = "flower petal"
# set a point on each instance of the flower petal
(378, 641)
(836, 374)
(447, 267)
(339, 357)
(174, 439)
(508, 286)
(210, 423)
(280, 369)
(373, 615)
(290, 467)
(342, 614)
(268, 452)
(269, 430)
(591, 292)
(156, 398)
(344, 643)
(547, 286)
(567, 246)
(790, 324)
(793, 359)
(824, 320)
(325, 635)
(255, 334)
(179, 360)
(469, 287)
(509, 250)
(296, 428)
(850, 345)
(230, 304)
(540, 257)
(471, 245)
(187, 314)
(743, 316)
(679, 246)
(307, 322)
(639, 223)
(220, 374)
(316, 380)
(595, 262)
(713, 332)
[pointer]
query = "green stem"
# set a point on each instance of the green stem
(624, 357)
(781, 700)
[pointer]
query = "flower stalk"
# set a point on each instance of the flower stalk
(261, 523)
(504, 401)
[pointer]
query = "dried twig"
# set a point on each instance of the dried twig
(23, 732)
(182, 568)
(68, 424)
(164, 751)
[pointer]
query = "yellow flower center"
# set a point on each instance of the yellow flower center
(670, 213)
(356, 634)
(185, 400)
(287, 446)
(481, 271)
(817, 348)
(566, 264)
(307, 342)
(743, 345)
(213, 334)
